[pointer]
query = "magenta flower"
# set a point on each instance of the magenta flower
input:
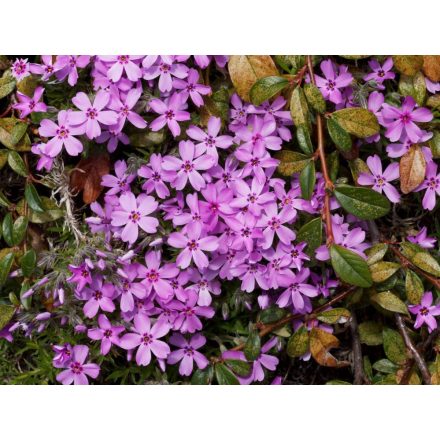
(331, 85)
(133, 213)
(28, 105)
(209, 142)
(381, 179)
(158, 278)
(106, 333)
(20, 69)
(298, 293)
(432, 186)
(100, 296)
(425, 312)
(155, 175)
(146, 337)
(246, 233)
(422, 239)
(171, 114)
(67, 66)
(217, 204)
(188, 167)
(46, 68)
(193, 247)
(380, 73)
(81, 276)
(256, 164)
(124, 108)
(78, 371)
(164, 67)
(403, 145)
(187, 353)
(63, 355)
(113, 137)
(251, 272)
(191, 88)
(400, 122)
(46, 160)
(91, 115)
(123, 63)
(120, 182)
(129, 287)
(61, 134)
(205, 284)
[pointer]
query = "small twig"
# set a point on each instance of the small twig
(359, 375)
(418, 359)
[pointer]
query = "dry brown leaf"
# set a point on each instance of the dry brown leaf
(431, 67)
(87, 175)
(245, 70)
(412, 169)
(320, 344)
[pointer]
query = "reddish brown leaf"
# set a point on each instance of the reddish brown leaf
(431, 67)
(87, 175)
(320, 344)
(412, 169)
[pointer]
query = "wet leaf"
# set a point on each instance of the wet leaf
(408, 64)
(383, 270)
(320, 344)
(266, 88)
(413, 287)
(359, 122)
(291, 162)
(350, 267)
(412, 169)
(388, 301)
(298, 344)
(18, 131)
(225, 376)
(307, 180)
(7, 85)
(246, 70)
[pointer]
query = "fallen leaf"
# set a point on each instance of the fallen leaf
(320, 344)
(412, 169)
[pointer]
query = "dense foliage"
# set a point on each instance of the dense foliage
(219, 219)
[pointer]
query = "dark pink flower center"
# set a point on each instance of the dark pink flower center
(62, 132)
(169, 114)
(274, 223)
(134, 216)
(98, 295)
(108, 333)
(424, 311)
(146, 338)
(156, 177)
(192, 245)
(189, 351)
(187, 166)
(92, 113)
(164, 67)
(405, 118)
(331, 85)
(152, 276)
(123, 59)
(76, 368)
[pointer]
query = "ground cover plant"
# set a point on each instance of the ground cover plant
(219, 219)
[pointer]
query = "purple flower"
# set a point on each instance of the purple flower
(146, 337)
(400, 122)
(61, 134)
(120, 182)
(192, 246)
(46, 68)
(256, 164)
(77, 370)
(99, 296)
(28, 105)
(380, 179)
(187, 167)
(124, 108)
(170, 113)
(432, 186)
(164, 67)
(209, 142)
(20, 69)
(155, 175)
(400, 148)
(103, 219)
(129, 288)
(133, 213)
(81, 276)
(205, 283)
(422, 239)
(91, 115)
(191, 88)
(46, 160)
(113, 137)
(380, 73)
(121, 64)
(106, 333)
(298, 292)
(425, 312)
(331, 85)
(67, 66)
(249, 272)
(187, 353)
(63, 355)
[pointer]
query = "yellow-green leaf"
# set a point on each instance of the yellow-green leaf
(383, 270)
(359, 122)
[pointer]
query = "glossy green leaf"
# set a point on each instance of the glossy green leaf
(241, 368)
(303, 138)
(389, 301)
(28, 262)
(7, 228)
(299, 108)
(339, 136)
(364, 203)
(32, 197)
(426, 262)
(6, 314)
(5, 267)
(370, 333)
(337, 315)
(51, 211)
(359, 122)
(203, 377)
(307, 180)
(17, 164)
(252, 347)
(350, 267)
(18, 131)
(6, 128)
(311, 233)
(7, 85)
(19, 230)
(376, 253)
(298, 344)
(225, 376)
(383, 270)
(271, 314)
(266, 88)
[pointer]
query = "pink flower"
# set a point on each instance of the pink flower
(164, 67)
(123, 63)
(106, 333)
(28, 105)
(91, 115)
(331, 85)
(422, 239)
(425, 312)
(187, 353)
(100, 296)
(78, 371)
(133, 213)
(380, 73)
(298, 292)
(124, 108)
(20, 69)
(46, 68)
(120, 182)
(380, 179)
(67, 66)
(146, 337)
(191, 88)
(155, 175)
(432, 186)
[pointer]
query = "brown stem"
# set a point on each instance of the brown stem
(357, 351)
(407, 263)
(8, 109)
(268, 328)
(418, 359)
(329, 187)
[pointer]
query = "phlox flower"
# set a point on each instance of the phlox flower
(120, 182)
(422, 239)
(425, 312)
(27, 105)
(67, 66)
(120, 64)
(165, 67)
(106, 333)
(331, 85)
(155, 175)
(78, 370)
(432, 186)
(190, 87)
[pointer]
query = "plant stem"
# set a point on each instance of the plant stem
(359, 376)
(321, 152)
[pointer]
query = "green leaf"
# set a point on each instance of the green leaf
(266, 88)
(383, 270)
(241, 368)
(337, 315)
(339, 136)
(299, 108)
(359, 122)
(7, 228)
(364, 203)
(18, 131)
(4, 201)
(16, 163)
(28, 262)
(426, 262)
(385, 366)
(350, 267)
(298, 344)
(388, 301)
(307, 180)
(311, 233)
(32, 197)
(6, 314)
(252, 347)
(376, 253)
(333, 164)
(413, 287)
(291, 162)
(338, 382)
(51, 211)
(303, 138)
(203, 377)
(19, 230)
(419, 88)
(7, 85)
(271, 314)
(225, 376)
(370, 333)
(6, 127)
(394, 346)
(5, 267)
(314, 98)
